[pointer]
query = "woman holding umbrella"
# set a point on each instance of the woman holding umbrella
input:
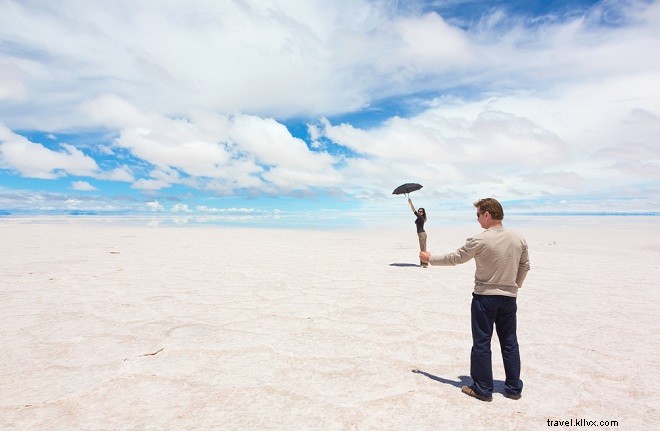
(405, 189)
(419, 222)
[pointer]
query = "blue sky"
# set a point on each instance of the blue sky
(301, 109)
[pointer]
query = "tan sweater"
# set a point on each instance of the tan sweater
(501, 257)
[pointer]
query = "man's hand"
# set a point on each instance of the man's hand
(424, 256)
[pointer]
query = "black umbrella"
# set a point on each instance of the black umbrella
(406, 188)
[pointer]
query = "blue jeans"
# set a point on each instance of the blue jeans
(499, 310)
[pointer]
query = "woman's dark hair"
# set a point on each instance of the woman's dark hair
(422, 209)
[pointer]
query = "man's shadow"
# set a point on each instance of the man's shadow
(462, 380)
(498, 385)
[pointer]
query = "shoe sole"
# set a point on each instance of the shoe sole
(469, 391)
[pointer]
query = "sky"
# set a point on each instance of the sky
(297, 110)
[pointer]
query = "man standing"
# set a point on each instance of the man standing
(502, 263)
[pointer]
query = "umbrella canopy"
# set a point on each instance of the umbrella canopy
(406, 188)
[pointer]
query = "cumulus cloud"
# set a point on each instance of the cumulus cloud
(270, 59)
(121, 173)
(198, 95)
(155, 206)
(180, 208)
(428, 42)
(169, 57)
(82, 186)
(441, 150)
(208, 150)
(36, 161)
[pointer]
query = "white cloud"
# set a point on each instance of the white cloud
(192, 91)
(82, 186)
(12, 87)
(430, 43)
(36, 161)
(517, 144)
(291, 164)
(437, 148)
(270, 59)
(149, 184)
(121, 173)
(207, 209)
(186, 54)
(242, 151)
(180, 208)
(155, 206)
(73, 203)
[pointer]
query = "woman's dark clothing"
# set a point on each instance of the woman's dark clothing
(420, 223)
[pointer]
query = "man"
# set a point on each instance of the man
(502, 263)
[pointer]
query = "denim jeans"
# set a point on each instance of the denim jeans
(499, 310)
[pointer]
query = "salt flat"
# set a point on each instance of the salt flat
(112, 326)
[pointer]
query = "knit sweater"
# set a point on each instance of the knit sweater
(502, 261)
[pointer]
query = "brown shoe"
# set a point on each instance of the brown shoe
(512, 396)
(469, 391)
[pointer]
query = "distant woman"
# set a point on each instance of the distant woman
(421, 234)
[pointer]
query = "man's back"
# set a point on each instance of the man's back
(501, 257)
(502, 261)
